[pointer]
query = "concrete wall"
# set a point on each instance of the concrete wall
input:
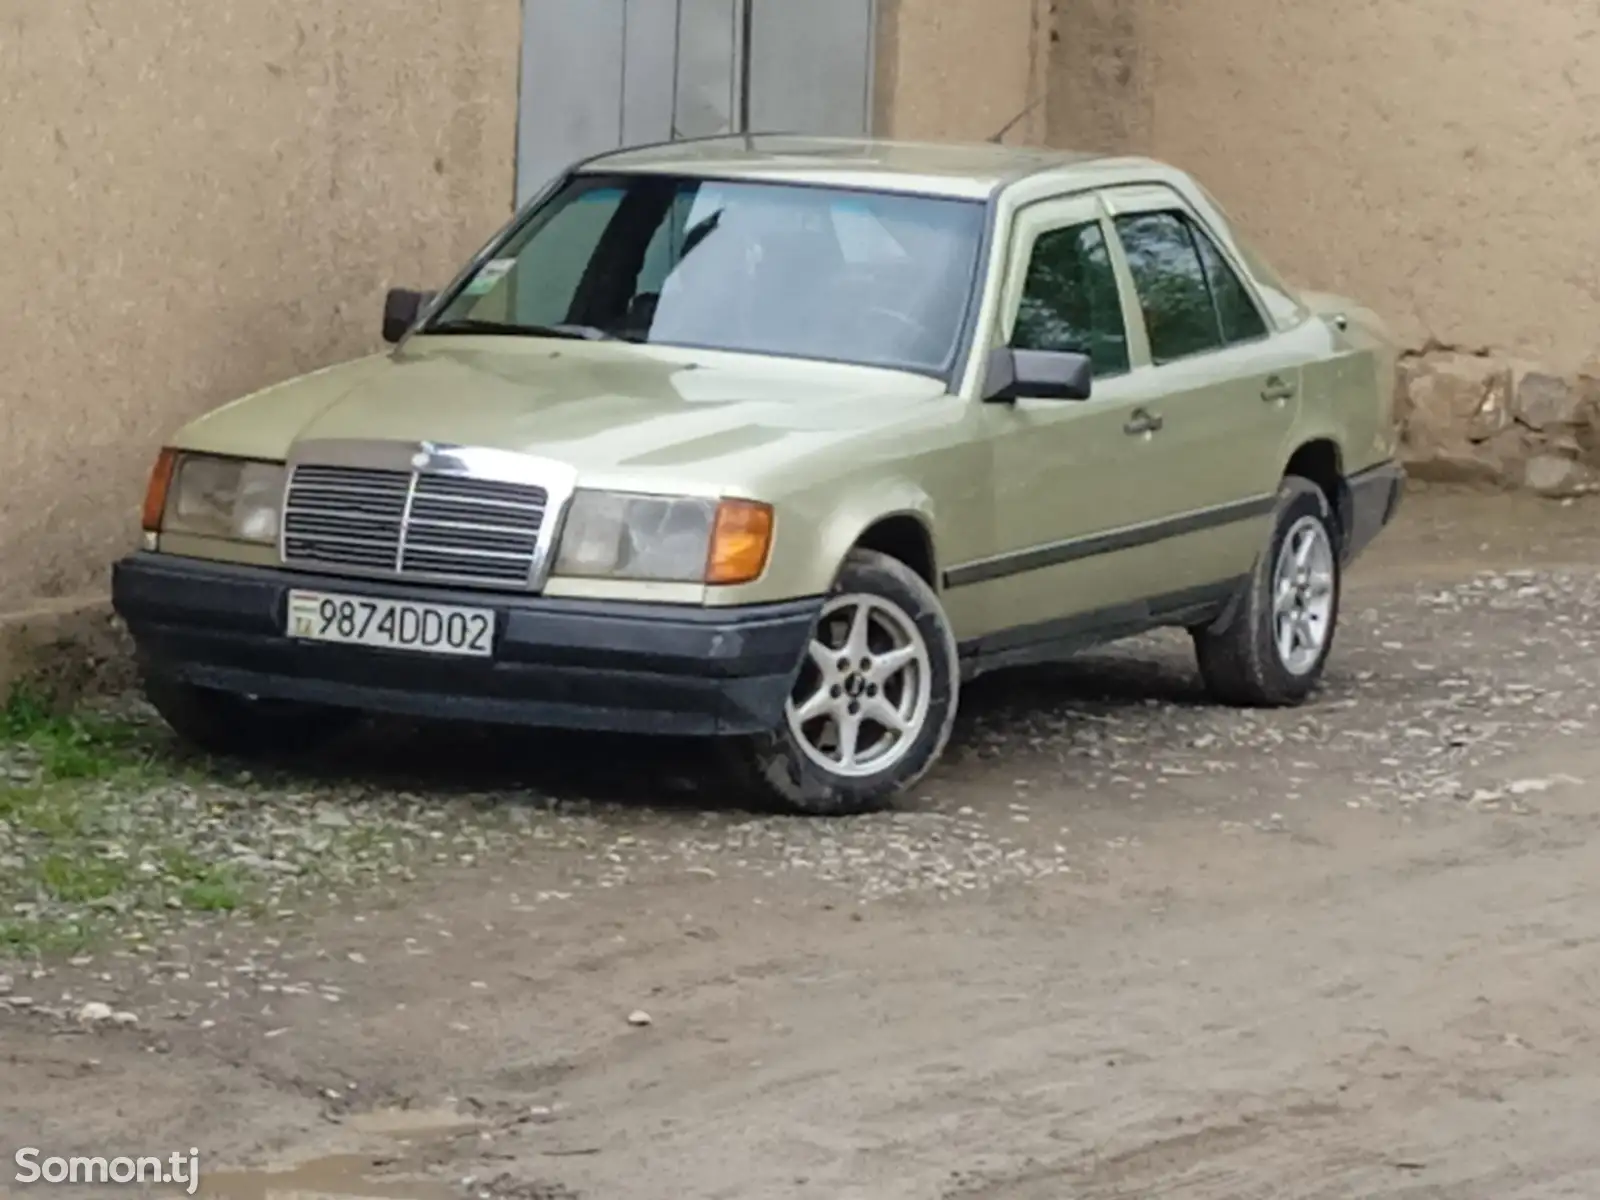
(197, 199)
(1436, 158)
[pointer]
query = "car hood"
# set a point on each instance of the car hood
(622, 415)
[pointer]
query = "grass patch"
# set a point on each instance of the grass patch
(108, 831)
(203, 886)
(73, 746)
(77, 879)
(33, 938)
(81, 841)
(211, 895)
(75, 856)
(25, 713)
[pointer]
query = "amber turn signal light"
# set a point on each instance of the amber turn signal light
(740, 542)
(155, 494)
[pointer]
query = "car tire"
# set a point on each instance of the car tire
(234, 726)
(903, 670)
(1274, 646)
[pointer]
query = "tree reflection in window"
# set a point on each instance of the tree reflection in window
(1171, 280)
(1070, 302)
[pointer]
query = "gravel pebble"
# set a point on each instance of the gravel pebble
(95, 1012)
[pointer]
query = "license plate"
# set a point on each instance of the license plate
(391, 624)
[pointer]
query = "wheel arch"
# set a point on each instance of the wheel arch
(1320, 459)
(904, 536)
(897, 520)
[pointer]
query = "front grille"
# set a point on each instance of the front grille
(412, 525)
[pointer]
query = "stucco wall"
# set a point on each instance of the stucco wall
(963, 69)
(197, 199)
(1435, 158)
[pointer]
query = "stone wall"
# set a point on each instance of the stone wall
(1472, 417)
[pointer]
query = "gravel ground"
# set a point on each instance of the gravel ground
(438, 919)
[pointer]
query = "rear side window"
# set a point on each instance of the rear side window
(1070, 302)
(1174, 291)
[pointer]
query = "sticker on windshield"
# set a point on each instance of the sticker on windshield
(493, 272)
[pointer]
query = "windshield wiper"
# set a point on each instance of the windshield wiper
(587, 333)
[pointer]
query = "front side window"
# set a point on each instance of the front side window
(1070, 301)
(1174, 293)
(874, 278)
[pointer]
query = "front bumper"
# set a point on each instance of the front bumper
(1374, 498)
(575, 664)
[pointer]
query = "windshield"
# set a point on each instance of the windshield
(873, 278)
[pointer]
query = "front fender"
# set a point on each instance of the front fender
(858, 512)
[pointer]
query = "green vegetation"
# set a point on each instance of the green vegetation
(110, 835)
(74, 746)
(75, 854)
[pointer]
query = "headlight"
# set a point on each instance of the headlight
(666, 539)
(224, 497)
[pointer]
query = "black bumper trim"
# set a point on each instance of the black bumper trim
(562, 663)
(1374, 498)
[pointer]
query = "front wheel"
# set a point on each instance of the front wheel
(874, 701)
(1273, 650)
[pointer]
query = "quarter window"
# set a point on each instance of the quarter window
(1070, 301)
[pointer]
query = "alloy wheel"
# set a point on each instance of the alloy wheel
(865, 689)
(1303, 596)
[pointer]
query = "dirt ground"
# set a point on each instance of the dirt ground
(1124, 944)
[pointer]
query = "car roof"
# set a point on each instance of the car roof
(967, 170)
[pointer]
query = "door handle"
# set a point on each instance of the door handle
(1277, 390)
(1141, 422)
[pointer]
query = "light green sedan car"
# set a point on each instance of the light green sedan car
(781, 441)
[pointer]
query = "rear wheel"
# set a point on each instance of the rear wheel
(874, 701)
(1274, 650)
(234, 726)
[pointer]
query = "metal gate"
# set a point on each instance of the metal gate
(599, 74)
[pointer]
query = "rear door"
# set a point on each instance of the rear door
(1222, 384)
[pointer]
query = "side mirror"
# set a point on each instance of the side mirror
(400, 311)
(1037, 375)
